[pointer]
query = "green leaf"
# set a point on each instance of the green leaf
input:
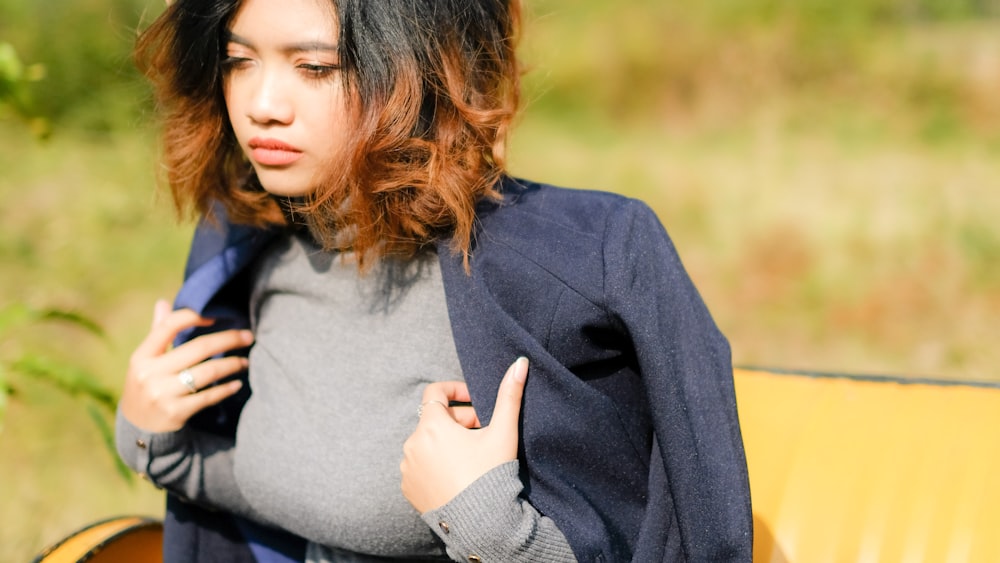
(75, 319)
(14, 91)
(68, 378)
(11, 68)
(19, 314)
(108, 437)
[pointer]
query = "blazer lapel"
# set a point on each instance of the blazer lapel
(220, 251)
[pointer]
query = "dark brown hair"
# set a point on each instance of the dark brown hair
(434, 85)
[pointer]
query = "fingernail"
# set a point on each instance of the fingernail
(520, 368)
(246, 336)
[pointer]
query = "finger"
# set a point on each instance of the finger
(195, 402)
(466, 416)
(207, 373)
(508, 406)
(443, 393)
(160, 311)
(446, 391)
(202, 348)
(162, 335)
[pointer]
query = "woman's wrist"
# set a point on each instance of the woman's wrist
(490, 521)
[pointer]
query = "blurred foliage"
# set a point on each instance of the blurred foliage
(18, 366)
(18, 96)
(14, 80)
(726, 58)
(85, 47)
(822, 14)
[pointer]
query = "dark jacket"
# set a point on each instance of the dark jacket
(630, 440)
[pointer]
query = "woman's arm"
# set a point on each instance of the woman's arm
(196, 466)
(464, 480)
(164, 387)
(490, 520)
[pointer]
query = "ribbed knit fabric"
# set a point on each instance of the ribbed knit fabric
(338, 368)
(489, 521)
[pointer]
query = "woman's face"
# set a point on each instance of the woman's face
(283, 91)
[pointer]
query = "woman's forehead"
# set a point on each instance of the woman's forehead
(310, 24)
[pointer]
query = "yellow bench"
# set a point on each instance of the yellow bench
(871, 469)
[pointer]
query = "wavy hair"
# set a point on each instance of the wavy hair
(434, 87)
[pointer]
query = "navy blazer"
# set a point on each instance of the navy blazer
(630, 440)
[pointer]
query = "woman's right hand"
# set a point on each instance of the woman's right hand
(156, 397)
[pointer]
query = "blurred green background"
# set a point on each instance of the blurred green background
(827, 168)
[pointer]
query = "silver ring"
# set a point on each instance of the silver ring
(187, 379)
(420, 409)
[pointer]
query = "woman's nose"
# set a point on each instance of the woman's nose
(270, 102)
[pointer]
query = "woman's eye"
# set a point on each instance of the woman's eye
(232, 62)
(317, 70)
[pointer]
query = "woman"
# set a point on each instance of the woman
(348, 160)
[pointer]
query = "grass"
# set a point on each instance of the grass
(835, 217)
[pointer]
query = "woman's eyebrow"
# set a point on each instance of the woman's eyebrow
(310, 46)
(233, 38)
(299, 47)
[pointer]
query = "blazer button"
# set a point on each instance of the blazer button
(475, 559)
(140, 443)
(444, 526)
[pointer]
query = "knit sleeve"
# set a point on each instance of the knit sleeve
(194, 465)
(489, 521)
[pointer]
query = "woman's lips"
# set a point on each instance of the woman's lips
(272, 152)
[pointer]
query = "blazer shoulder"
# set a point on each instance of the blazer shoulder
(564, 232)
(532, 211)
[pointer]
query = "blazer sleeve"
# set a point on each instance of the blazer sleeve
(698, 476)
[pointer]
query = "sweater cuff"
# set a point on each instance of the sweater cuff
(138, 448)
(488, 521)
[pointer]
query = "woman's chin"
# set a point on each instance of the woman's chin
(284, 187)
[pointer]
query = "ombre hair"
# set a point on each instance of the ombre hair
(433, 87)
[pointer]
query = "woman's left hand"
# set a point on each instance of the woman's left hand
(448, 450)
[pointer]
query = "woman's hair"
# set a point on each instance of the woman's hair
(433, 86)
